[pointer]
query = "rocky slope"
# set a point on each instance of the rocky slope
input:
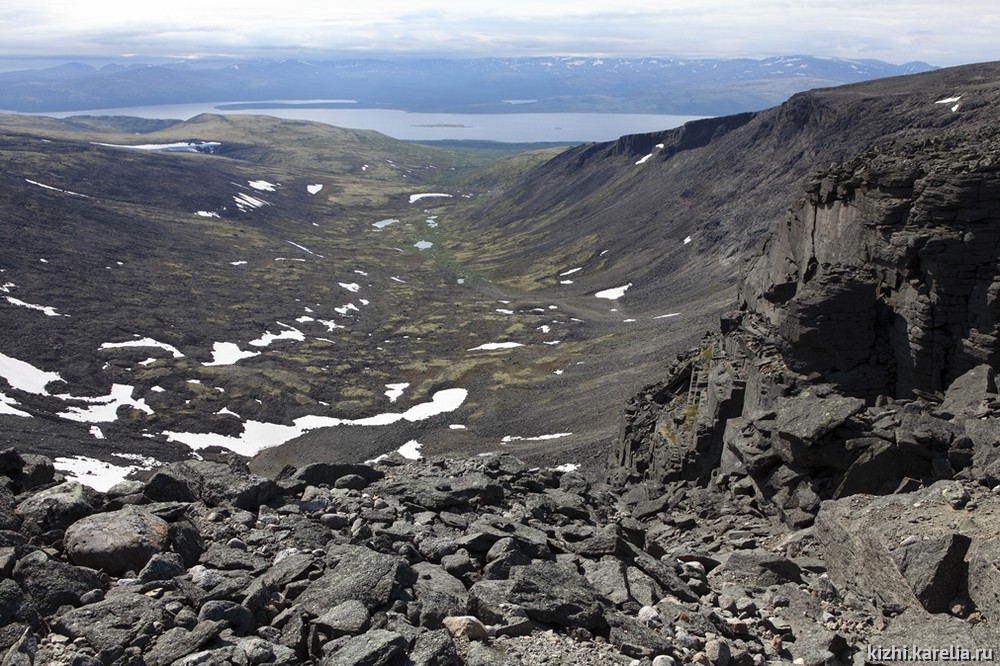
(482, 561)
(855, 387)
(722, 182)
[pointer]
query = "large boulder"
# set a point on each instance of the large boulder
(214, 483)
(906, 551)
(362, 574)
(117, 541)
(56, 508)
(53, 584)
(112, 624)
(554, 593)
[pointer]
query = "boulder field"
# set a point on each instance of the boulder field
(479, 561)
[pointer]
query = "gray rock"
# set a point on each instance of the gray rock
(805, 418)
(374, 648)
(327, 474)
(237, 616)
(351, 482)
(211, 482)
(434, 648)
(934, 568)
(349, 618)
(984, 578)
(51, 583)
(489, 600)
(8, 519)
(608, 578)
(968, 391)
(162, 566)
(56, 508)
(635, 639)
(440, 594)
(21, 653)
(117, 541)
(436, 494)
(760, 568)
(111, 625)
(222, 557)
(557, 594)
(178, 642)
(665, 576)
(18, 614)
(362, 574)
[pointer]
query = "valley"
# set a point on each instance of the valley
(240, 282)
(271, 284)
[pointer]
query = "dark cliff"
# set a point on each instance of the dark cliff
(862, 355)
(884, 278)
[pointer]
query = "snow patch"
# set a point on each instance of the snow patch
(207, 213)
(56, 189)
(258, 435)
(9, 406)
(100, 475)
(290, 333)
(539, 438)
(613, 294)
(382, 224)
(571, 271)
(567, 467)
(104, 409)
(26, 377)
(179, 147)
(410, 450)
(314, 189)
(246, 202)
(304, 248)
(417, 197)
(49, 311)
(667, 316)
(396, 390)
(262, 185)
(228, 353)
(423, 245)
(352, 287)
(490, 346)
(144, 342)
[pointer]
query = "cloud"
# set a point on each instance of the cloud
(965, 32)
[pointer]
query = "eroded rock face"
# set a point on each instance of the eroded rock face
(862, 358)
(884, 277)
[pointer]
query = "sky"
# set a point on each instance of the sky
(936, 32)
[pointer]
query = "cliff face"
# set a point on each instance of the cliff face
(862, 357)
(884, 278)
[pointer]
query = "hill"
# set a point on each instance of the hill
(679, 86)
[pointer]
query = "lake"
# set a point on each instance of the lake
(506, 127)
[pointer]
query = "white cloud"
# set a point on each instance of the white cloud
(965, 32)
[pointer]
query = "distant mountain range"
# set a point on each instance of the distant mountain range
(701, 86)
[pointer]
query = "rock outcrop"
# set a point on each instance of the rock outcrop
(853, 395)
(862, 358)
(884, 279)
